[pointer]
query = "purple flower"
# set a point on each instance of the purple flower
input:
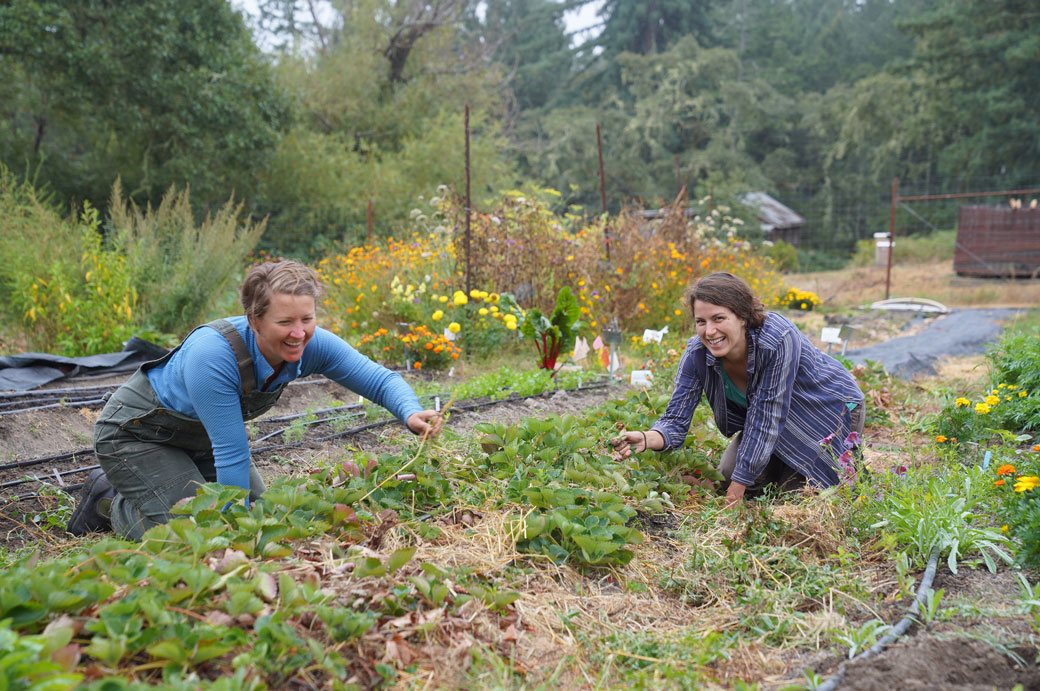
(852, 441)
(846, 459)
(826, 441)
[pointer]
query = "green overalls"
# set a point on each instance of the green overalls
(154, 456)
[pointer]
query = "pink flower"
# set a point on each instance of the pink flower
(853, 440)
(826, 441)
(846, 459)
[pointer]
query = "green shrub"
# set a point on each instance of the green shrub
(784, 255)
(79, 305)
(180, 268)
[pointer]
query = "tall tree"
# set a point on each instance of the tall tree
(159, 92)
(529, 39)
(647, 27)
(981, 63)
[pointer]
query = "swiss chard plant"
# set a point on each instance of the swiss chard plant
(550, 333)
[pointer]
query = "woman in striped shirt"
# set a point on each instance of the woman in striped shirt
(794, 413)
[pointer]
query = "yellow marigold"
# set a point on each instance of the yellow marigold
(1022, 394)
(1006, 469)
(1026, 483)
(475, 294)
(992, 400)
(961, 402)
(436, 316)
(482, 311)
(443, 298)
(454, 327)
(511, 325)
(493, 298)
(982, 408)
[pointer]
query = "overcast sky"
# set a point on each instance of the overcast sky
(577, 21)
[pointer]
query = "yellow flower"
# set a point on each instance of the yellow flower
(1003, 528)
(460, 298)
(482, 311)
(493, 308)
(493, 298)
(511, 325)
(437, 315)
(443, 298)
(1022, 394)
(475, 294)
(961, 402)
(992, 400)
(1026, 483)
(982, 408)
(678, 312)
(454, 327)
(941, 439)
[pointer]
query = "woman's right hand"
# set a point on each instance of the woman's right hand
(629, 443)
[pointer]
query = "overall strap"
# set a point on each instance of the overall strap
(238, 346)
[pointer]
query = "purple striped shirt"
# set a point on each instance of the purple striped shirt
(797, 395)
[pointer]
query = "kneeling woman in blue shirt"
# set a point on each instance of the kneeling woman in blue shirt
(792, 410)
(180, 421)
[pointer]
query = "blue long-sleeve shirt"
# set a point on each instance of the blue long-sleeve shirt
(202, 381)
(797, 395)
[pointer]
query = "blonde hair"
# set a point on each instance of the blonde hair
(729, 291)
(286, 277)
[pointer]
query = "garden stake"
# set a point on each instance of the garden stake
(603, 189)
(468, 202)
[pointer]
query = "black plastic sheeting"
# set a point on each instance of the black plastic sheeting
(30, 370)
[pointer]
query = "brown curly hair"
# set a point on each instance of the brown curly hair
(729, 291)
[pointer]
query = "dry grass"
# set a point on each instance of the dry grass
(853, 287)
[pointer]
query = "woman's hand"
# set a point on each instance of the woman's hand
(426, 423)
(735, 494)
(630, 443)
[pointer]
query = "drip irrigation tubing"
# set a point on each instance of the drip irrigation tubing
(78, 404)
(835, 680)
(264, 449)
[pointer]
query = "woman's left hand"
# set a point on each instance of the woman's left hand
(426, 423)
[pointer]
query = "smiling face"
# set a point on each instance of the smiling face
(722, 331)
(285, 328)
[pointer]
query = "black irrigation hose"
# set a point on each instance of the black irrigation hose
(79, 404)
(835, 680)
(39, 461)
(283, 430)
(55, 474)
(39, 400)
(80, 390)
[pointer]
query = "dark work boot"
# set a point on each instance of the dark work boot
(92, 514)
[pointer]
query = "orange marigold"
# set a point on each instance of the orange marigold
(1006, 469)
(999, 482)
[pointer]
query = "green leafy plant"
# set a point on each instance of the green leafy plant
(858, 639)
(551, 333)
